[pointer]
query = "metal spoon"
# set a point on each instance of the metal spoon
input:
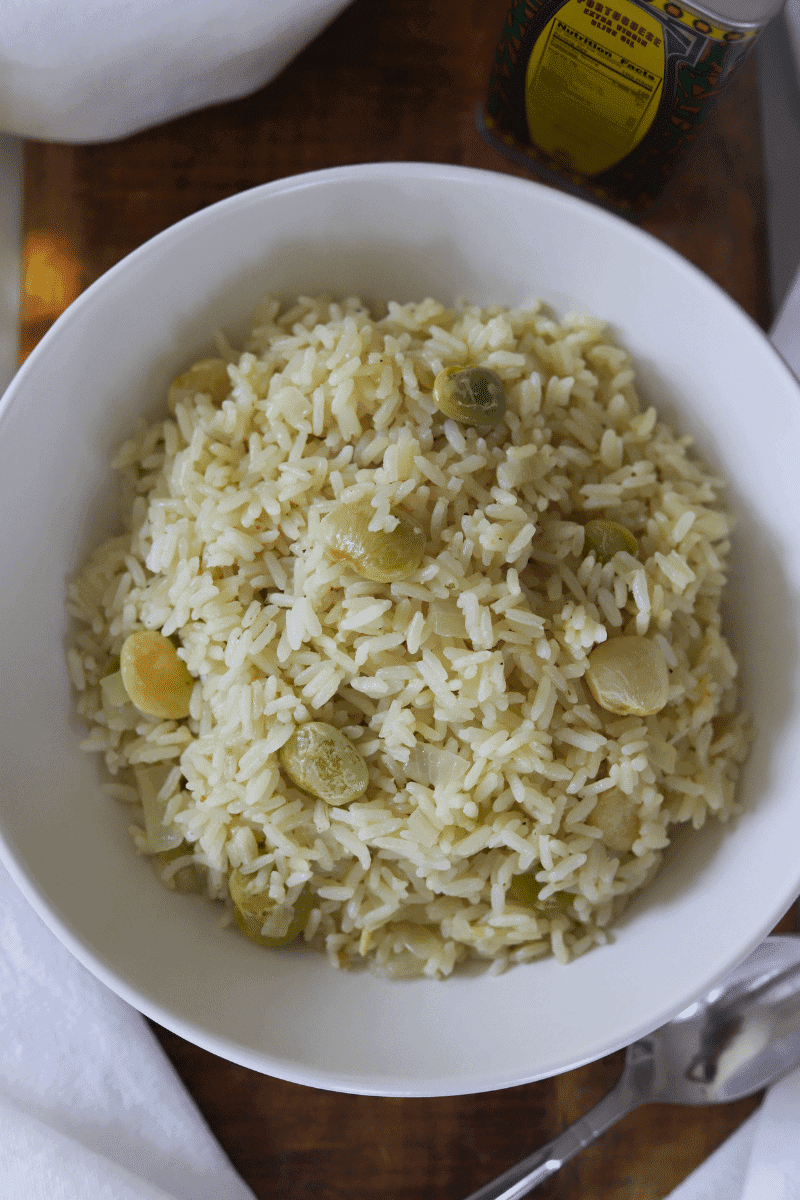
(737, 1039)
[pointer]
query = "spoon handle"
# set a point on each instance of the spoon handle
(522, 1178)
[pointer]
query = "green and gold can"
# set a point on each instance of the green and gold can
(605, 98)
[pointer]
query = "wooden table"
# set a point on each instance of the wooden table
(390, 80)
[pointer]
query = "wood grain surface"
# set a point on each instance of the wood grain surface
(391, 80)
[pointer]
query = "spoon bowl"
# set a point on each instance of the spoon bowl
(737, 1039)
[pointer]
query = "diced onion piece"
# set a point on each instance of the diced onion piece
(185, 878)
(112, 690)
(421, 942)
(524, 890)
(209, 377)
(618, 818)
(446, 620)
(430, 765)
(159, 836)
(261, 919)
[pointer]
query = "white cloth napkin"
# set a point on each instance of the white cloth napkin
(785, 332)
(90, 1106)
(760, 1161)
(102, 69)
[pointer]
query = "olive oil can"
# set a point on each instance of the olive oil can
(605, 98)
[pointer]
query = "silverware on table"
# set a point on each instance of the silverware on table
(736, 1040)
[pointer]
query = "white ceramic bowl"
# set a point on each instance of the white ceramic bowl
(401, 231)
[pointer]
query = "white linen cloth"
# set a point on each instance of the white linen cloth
(760, 1161)
(785, 332)
(102, 69)
(90, 1106)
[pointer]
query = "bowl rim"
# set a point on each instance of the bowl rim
(451, 172)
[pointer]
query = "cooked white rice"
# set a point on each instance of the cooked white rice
(462, 686)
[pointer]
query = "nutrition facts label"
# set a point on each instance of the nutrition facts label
(593, 83)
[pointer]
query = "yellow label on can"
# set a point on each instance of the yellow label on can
(593, 83)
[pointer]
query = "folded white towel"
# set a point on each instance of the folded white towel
(102, 69)
(760, 1161)
(785, 332)
(90, 1106)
